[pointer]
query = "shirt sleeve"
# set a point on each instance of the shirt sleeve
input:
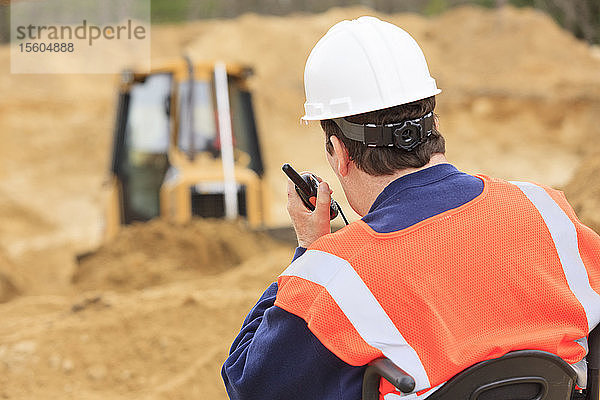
(299, 251)
(275, 356)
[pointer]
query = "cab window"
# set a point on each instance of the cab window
(146, 144)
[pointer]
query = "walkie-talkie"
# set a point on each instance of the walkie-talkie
(306, 187)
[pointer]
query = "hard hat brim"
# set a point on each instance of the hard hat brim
(311, 113)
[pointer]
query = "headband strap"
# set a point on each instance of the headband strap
(405, 135)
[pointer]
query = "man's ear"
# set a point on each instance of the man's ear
(341, 155)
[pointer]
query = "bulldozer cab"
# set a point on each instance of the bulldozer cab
(185, 144)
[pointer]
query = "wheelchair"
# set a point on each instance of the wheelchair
(518, 375)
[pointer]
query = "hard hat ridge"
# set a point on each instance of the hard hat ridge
(364, 65)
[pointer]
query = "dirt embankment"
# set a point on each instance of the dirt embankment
(144, 255)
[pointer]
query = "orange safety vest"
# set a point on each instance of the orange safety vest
(512, 269)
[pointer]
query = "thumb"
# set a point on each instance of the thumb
(323, 201)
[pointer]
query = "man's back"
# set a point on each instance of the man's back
(463, 285)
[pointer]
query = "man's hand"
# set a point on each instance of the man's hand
(309, 225)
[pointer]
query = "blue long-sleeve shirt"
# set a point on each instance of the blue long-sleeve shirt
(275, 355)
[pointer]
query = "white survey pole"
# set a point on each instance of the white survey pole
(226, 136)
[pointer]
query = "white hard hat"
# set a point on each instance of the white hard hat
(364, 65)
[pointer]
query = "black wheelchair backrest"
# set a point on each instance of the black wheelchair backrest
(518, 375)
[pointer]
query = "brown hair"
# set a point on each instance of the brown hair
(387, 160)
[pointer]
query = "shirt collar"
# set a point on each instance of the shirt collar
(419, 178)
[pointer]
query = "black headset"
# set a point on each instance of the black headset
(404, 135)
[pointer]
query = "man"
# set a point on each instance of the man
(444, 269)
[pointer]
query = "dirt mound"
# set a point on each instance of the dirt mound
(153, 253)
(165, 342)
(517, 52)
(583, 192)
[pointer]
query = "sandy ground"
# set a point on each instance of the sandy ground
(151, 314)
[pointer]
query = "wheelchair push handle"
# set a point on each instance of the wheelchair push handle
(383, 367)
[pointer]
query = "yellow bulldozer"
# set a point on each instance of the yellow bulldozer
(185, 145)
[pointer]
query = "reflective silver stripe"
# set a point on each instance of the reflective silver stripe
(564, 236)
(359, 305)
